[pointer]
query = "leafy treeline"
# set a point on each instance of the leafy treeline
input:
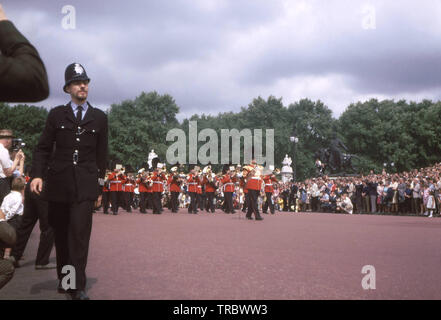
(406, 134)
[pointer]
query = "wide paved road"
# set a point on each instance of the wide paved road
(224, 256)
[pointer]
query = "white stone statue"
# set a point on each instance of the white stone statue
(286, 171)
(152, 155)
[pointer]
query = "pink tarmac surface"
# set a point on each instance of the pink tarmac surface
(223, 256)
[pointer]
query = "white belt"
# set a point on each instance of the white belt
(255, 178)
(228, 183)
(268, 184)
(157, 181)
(192, 183)
(115, 181)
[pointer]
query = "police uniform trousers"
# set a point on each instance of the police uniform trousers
(35, 209)
(209, 205)
(192, 208)
(253, 196)
(228, 202)
(72, 225)
(106, 201)
(268, 203)
(157, 207)
(174, 201)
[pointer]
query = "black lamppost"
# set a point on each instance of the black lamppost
(294, 139)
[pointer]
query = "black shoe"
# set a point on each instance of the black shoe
(249, 218)
(233, 212)
(212, 211)
(79, 295)
(105, 212)
(272, 212)
(265, 212)
(259, 218)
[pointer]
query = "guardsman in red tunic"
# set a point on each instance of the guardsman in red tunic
(174, 185)
(243, 185)
(192, 183)
(117, 179)
(254, 185)
(158, 179)
(143, 183)
(228, 182)
(269, 178)
(129, 189)
(210, 182)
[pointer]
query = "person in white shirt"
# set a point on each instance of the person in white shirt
(345, 204)
(6, 167)
(12, 205)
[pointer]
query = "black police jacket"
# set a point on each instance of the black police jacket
(75, 155)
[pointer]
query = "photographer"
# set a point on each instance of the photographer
(7, 166)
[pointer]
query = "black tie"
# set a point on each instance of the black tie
(79, 114)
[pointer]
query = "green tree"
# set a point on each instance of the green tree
(139, 125)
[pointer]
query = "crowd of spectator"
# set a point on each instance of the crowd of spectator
(416, 192)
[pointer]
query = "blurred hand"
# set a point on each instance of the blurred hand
(20, 155)
(2, 14)
(37, 185)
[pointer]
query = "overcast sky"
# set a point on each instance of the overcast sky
(217, 55)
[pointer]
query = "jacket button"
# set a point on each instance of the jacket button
(62, 127)
(74, 162)
(78, 139)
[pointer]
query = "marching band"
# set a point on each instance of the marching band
(156, 187)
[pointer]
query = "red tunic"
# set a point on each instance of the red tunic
(243, 185)
(192, 183)
(269, 179)
(254, 183)
(228, 183)
(141, 186)
(173, 185)
(208, 186)
(158, 185)
(116, 181)
(129, 186)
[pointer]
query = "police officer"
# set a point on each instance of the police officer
(78, 134)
